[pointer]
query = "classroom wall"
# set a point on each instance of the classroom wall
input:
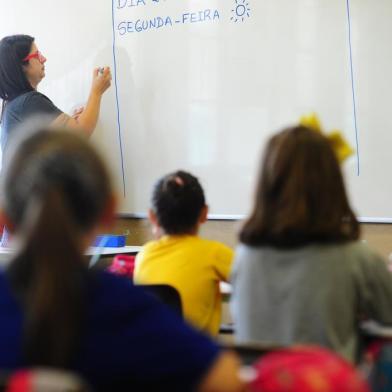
(379, 236)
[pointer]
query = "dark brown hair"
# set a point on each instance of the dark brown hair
(55, 189)
(13, 80)
(300, 196)
(177, 201)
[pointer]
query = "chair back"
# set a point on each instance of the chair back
(249, 353)
(166, 294)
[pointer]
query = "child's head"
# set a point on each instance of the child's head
(178, 203)
(56, 192)
(57, 169)
(300, 196)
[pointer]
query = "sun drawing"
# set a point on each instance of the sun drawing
(240, 11)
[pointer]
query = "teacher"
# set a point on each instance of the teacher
(22, 67)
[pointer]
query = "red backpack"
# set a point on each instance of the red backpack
(123, 265)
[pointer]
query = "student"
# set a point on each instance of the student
(22, 67)
(179, 257)
(55, 312)
(301, 275)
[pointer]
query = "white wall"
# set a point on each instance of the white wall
(203, 94)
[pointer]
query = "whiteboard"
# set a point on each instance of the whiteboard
(200, 84)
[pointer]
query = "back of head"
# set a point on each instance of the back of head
(54, 191)
(177, 201)
(55, 161)
(300, 196)
(13, 81)
(306, 369)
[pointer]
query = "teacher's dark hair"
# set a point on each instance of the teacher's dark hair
(13, 80)
(300, 196)
(54, 191)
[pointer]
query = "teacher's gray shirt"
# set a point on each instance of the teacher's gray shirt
(23, 108)
(314, 294)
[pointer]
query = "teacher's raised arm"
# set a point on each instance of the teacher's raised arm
(22, 67)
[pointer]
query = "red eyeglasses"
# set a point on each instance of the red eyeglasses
(36, 55)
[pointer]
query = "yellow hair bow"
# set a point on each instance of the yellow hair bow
(339, 144)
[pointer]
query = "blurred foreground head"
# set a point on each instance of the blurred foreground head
(55, 194)
(55, 169)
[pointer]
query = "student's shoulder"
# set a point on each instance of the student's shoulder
(242, 248)
(248, 258)
(6, 294)
(152, 244)
(214, 244)
(148, 248)
(215, 248)
(359, 253)
(108, 289)
(169, 242)
(359, 248)
(205, 242)
(111, 281)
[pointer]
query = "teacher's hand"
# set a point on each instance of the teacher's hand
(77, 112)
(101, 80)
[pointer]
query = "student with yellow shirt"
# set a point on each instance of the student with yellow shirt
(179, 257)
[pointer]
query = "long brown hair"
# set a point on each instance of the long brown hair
(300, 196)
(55, 189)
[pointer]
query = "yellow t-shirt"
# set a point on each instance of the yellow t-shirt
(194, 266)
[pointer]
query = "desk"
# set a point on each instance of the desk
(6, 253)
(114, 251)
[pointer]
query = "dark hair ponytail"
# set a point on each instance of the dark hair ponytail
(50, 275)
(54, 191)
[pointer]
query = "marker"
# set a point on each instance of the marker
(100, 70)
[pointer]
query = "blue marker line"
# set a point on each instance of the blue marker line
(117, 101)
(353, 85)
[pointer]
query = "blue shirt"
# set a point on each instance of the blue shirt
(130, 339)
